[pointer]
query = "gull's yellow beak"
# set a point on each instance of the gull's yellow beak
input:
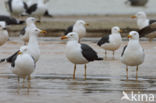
(64, 37)
(43, 32)
(133, 16)
(19, 53)
(87, 24)
(120, 31)
(129, 36)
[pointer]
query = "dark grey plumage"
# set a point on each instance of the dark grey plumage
(103, 40)
(137, 2)
(25, 5)
(69, 29)
(11, 59)
(147, 30)
(123, 50)
(89, 53)
(152, 21)
(31, 9)
(10, 20)
(9, 5)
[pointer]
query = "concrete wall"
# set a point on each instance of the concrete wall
(91, 7)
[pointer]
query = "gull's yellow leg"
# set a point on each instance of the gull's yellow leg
(137, 73)
(105, 54)
(23, 81)
(127, 71)
(113, 53)
(74, 71)
(18, 79)
(29, 81)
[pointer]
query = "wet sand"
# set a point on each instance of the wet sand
(52, 80)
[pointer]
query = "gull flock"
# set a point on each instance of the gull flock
(24, 61)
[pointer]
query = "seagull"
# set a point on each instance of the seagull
(111, 42)
(10, 20)
(16, 7)
(78, 53)
(78, 27)
(33, 46)
(3, 33)
(24, 33)
(22, 63)
(133, 53)
(38, 9)
(142, 20)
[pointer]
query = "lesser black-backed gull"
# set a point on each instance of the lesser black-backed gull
(133, 53)
(79, 53)
(22, 63)
(111, 42)
(78, 27)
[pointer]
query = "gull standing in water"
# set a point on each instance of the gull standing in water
(111, 42)
(133, 53)
(79, 53)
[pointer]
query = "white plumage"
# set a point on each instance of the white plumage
(16, 7)
(24, 63)
(133, 54)
(111, 42)
(142, 20)
(3, 33)
(33, 46)
(79, 27)
(41, 8)
(24, 34)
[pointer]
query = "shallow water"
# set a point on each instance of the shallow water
(52, 80)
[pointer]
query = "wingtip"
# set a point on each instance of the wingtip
(21, 22)
(99, 58)
(99, 44)
(2, 60)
